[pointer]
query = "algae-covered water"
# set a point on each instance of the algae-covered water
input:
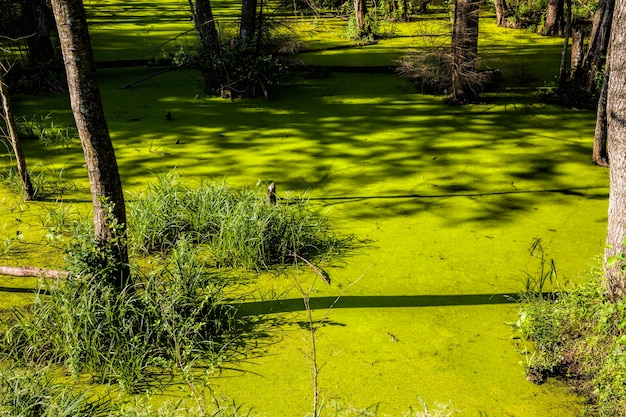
(448, 200)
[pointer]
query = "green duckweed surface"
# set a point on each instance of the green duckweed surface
(448, 199)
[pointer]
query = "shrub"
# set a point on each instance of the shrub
(171, 317)
(579, 336)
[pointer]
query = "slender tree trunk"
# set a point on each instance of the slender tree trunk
(104, 178)
(578, 49)
(615, 279)
(600, 155)
(360, 15)
(500, 6)
(247, 28)
(9, 118)
(465, 51)
(568, 33)
(210, 46)
(554, 18)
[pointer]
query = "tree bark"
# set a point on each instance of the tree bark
(40, 49)
(616, 141)
(554, 18)
(568, 32)
(31, 271)
(9, 118)
(360, 15)
(500, 6)
(210, 46)
(578, 49)
(247, 27)
(465, 51)
(600, 156)
(598, 45)
(86, 103)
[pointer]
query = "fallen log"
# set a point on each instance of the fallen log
(31, 271)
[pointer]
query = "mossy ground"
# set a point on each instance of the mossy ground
(450, 200)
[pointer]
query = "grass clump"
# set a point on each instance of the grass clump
(170, 318)
(34, 393)
(47, 182)
(579, 336)
(44, 129)
(236, 226)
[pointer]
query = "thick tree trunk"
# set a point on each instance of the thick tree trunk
(104, 178)
(616, 121)
(9, 118)
(500, 6)
(554, 18)
(600, 155)
(465, 51)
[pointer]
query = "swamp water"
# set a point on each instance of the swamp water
(448, 200)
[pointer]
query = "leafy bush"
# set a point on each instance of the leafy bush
(237, 226)
(579, 336)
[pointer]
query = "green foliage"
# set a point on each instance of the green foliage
(47, 181)
(44, 129)
(579, 336)
(173, 316)
(237, 226)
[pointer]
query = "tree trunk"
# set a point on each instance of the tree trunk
(554, 18)
(104, 178)
(598, 45)
(210, 46)
(247, 26)
(500, 6)
(616, 141)
(600, 155)
(578, 49)
(9, 118)
(465, 51)
(40, 49)
(360, 21)
(568, 31)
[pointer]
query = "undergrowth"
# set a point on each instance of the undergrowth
(579, 336)
(236, 226)
(172, 316)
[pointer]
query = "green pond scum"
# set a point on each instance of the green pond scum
(448, 201)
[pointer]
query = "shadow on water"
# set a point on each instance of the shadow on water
(374, 301)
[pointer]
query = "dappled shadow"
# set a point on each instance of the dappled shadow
(357, 137)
